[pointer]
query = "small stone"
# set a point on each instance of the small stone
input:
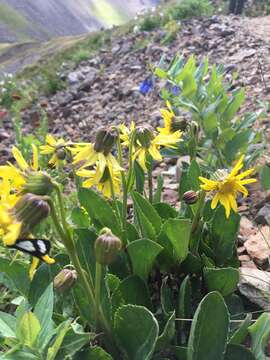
(263, 215)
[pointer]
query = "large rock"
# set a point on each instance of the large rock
(255, 285)
(258, 246)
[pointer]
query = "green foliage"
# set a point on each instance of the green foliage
(190, 8)
(136, 330)
(208, 334)
(217, 131)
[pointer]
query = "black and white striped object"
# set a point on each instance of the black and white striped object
(34, 247)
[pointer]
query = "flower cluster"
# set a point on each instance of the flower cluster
(25, 188)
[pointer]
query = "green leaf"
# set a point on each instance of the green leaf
(167, 335)
(99, 210)
(29, 329)
(80, 218)
(44, 311)
(166, 298)
(241, 333)
(44, 276)
(209, 329)
(112, 281)
(265, 177)
(61, 332)
(162, 74)
(72, 343)
(234, 105)
(143, 254)
(143, 207)
(139, 177)
(194, 172)
(237, 352)
(224, 234)
(136, 331)
(224, 280)
(97, 353)
(85, 249)
(174, 237)
(157, 195)
(132, 290)
(7, 325)
(17, 273)
(237, 144)
(165, 211)
(260, 333)
(25, 353)
(184, 303)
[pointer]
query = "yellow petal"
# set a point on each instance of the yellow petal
(50, 140)
(19, 158)
(224, 200)
(35, 157)
(237, 167)
(215, 201)
(12, 234)
(33, 267)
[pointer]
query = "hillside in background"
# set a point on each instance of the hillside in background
(24, 20)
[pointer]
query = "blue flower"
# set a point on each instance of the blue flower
(146, 86)
(176, 90)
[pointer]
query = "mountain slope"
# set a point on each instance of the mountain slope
(22, 20)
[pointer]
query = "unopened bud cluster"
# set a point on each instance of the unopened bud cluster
(105, 140)
(107, 247)
(190, 197)
(30, 210)
(65, 280)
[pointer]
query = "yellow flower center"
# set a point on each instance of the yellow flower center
(227, 186)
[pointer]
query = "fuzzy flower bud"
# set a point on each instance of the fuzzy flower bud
(65, 280)
(190, 197)
(179, 123)
(38, 183)
(107, 246)
(145, 134)
(105, 139)
(61, 152)
(30, 210)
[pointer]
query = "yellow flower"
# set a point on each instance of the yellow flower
(88, 156)
(17, 176)
(148, 143)
(172, 124)
(10, 228)
(227, 186)
(168, 116)
(103, 184)
(56, 148)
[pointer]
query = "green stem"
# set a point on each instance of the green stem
(61, 206)
(124, 189)
(150, 181)
(87, 281)
(115, 200)
(98, 289)
(198, 213)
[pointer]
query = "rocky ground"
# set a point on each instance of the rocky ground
(104, 90)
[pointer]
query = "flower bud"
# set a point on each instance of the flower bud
(145, 134)
(105, 139)
(190, 197)
(61, 152)
(65, 280)
(107, 246)
(30, 210)
(38, 183)
(179, 123)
